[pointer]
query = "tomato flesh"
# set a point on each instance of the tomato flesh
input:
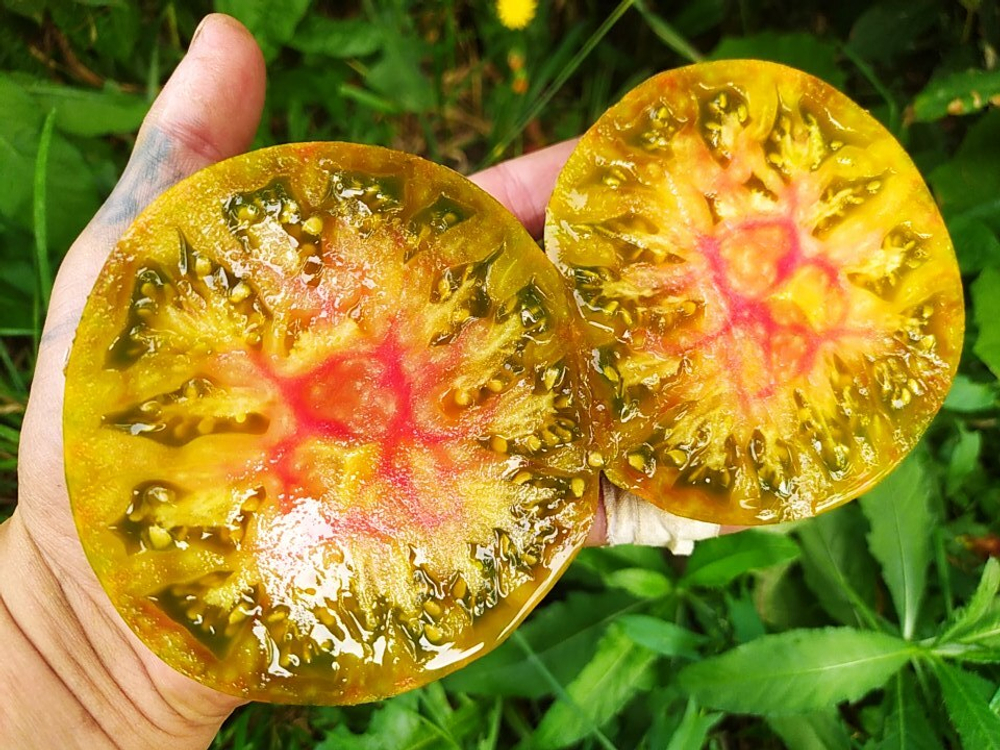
(771, 297)
(325, 435)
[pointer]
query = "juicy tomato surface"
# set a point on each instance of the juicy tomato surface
(772, 300)
(325, 437)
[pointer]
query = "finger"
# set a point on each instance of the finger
(208, 111)
(524, 185)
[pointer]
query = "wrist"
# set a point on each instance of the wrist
(72, 669)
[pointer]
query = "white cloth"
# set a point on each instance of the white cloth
(632, 520)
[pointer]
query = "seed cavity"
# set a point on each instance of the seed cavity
(882, 271)
(654, 128)
(215, 626)
(442, 215)
(198, 407)
(838, 201)
(366, 200)
(723, 116)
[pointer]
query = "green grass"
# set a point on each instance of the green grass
(899, 577)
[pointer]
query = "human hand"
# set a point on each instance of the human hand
(81, 673)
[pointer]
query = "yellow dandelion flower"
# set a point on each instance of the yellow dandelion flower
(516, 14)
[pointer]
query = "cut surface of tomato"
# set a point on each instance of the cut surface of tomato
(771, 298)
(325, 437)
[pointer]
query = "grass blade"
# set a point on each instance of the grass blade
(42, 267)
(546, 96)
(668, 34)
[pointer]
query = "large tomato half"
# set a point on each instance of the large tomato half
(772, 301)
(325, 439)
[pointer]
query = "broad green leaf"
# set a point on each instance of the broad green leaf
(606, 560)
(694, 728)
(967, 396)
(719, 561)
(906, 727)
(641, 583)
(837, 567)
(797, 671)
(70, 184)
(820, 730)
(964, 458)
(693, 19)
(272, 24)
(976, 244)
(887, 30)
(743, 617)
(338, 38)
(20, 127)
(986, 303)
(899, 513)
(562, 635)
(970, 180)
(662, 637)
(798, 49)
(959, 93)
(398, 75)
(966, 696)
(617, 672)
(84, 112)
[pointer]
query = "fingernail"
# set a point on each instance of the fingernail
(198, 30)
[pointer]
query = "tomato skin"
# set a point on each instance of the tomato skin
(325, 435)
(771, 299)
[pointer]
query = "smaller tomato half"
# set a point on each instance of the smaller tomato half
(325, 436)
(772, 302)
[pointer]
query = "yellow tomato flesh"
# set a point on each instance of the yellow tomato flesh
(772, 300)
(325, 437)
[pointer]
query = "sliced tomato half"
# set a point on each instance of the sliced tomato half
(325, 436)
(771, 299)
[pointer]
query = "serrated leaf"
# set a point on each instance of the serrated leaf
(966, 696)
(394, 724)
(838, 569)
(618, 671)
(641, 583)
(974, 619)
(899, 512)
(717, 562)
(906, 727)
(797, 671)
(662, 637)
(337, 38)
(960, 93)
(821, 730)
(967, 396)
(797, 49)
(986, 303)
(693, 729)
(562, 635)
